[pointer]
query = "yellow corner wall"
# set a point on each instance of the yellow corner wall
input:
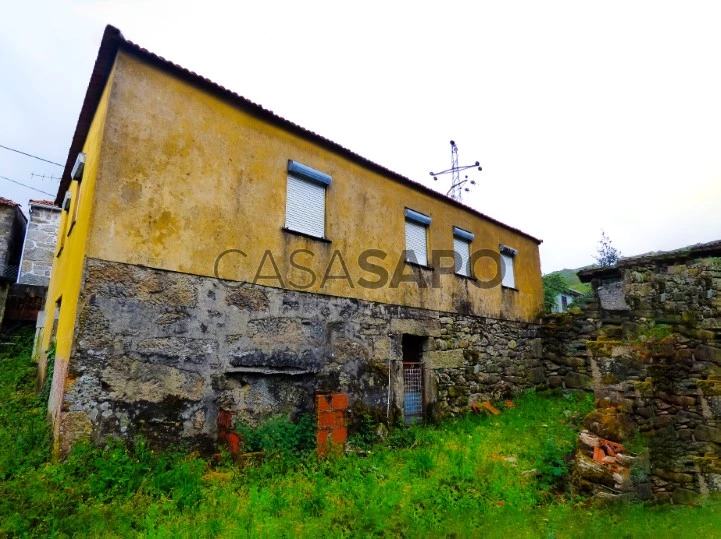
(67, 271)
(187, 176)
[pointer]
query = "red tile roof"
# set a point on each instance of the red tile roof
(48, 203)
(8, 202)
(113, 41)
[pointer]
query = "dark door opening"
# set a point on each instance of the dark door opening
(413, 402)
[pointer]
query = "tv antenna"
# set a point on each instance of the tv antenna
(458, 186)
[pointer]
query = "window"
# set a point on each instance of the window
(508, 256)
(76, 207)
(64, 218)
(305, 203)
(462, 247)
(417, 237)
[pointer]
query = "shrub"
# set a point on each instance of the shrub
(280, 436)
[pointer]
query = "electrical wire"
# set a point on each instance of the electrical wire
(33, 156)
(27, 186)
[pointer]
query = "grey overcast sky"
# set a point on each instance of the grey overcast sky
(584, 115)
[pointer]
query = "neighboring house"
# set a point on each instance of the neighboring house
(214, 257)
(12, 230)
(39, 245)
(564, 299)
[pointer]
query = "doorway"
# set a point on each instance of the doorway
(413, 393)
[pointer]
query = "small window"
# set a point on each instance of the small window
(417, 237)
(508, 256)
(462, 248)
(305, 203)
(76, 208)
(64, 221)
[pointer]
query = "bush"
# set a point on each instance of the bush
(280, 436)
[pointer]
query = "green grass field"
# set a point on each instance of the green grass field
(478, 476)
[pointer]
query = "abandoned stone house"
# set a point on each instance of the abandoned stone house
(12, 230)
(214, 257)
(28, 253)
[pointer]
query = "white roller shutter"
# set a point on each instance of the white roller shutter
(462, 250)
(305, 207)
(416, 243)
(508, 277)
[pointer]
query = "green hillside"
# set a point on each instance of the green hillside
(572, 280)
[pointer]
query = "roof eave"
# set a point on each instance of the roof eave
(113, 40)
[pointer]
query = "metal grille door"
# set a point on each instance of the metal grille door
(412, 392)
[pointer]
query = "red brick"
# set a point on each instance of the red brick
(340, 401)
(321, 439)
(234, 443)
(225, 419)
(339, 435)
(339, 419)
(323, 403)
(326, 419)
(492, 409)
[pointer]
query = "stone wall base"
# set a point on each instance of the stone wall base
(159, 353)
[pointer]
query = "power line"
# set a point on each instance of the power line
(33, 156)
(24, 185)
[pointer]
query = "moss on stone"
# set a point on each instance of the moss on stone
(610, 379)
(602, 347)
(710, 388)
(645, 387)
(708, 463)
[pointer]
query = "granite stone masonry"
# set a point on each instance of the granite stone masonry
(40, 240)
(649, 346)
(163, 353)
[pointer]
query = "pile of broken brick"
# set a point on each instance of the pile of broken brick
(604, 469)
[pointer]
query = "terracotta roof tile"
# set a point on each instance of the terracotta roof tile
(48, 203)
(7, 202)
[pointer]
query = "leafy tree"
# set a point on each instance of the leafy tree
(553, 284)
(607, 254)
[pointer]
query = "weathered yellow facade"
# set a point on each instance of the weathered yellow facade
(191, 176)
(178, 173)
(66, 278)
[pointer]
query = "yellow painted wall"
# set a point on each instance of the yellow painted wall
(66, 276)
(187, 175)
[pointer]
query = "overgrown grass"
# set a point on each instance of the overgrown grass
(484, 476)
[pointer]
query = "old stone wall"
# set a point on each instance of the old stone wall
(162, 353)
(39, 246)
(12, 230)
(649, 346)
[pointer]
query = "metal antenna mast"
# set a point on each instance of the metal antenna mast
(457, 185)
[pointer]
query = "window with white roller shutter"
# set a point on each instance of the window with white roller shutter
(417, 237)
(508, 258)
(305, 202)
(462, 248)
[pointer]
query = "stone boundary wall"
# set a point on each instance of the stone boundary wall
(649, 346)
(162, 353)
